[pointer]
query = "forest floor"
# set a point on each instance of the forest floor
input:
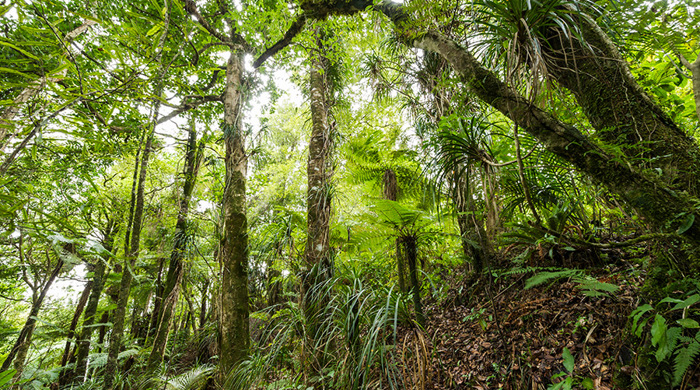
(497, 335)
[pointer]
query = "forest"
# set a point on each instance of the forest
(349, 194)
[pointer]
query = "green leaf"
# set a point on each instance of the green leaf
(688, 323)
(8, 70)
(658, 330)
(154, 29)
(686, 224)
(687, 303)
(26, 53)
(588, 384)
(6, 376)
(568, 360)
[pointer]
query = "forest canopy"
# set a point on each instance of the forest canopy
(349, 194)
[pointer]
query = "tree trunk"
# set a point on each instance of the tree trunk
(157, 301)
(493, 208)
(193, 157)
(694, 68)
(71, 332)
(318, 267)
(618, 108)
(410, 247)
(19, 350)
(132, 250)
(475, 243)
(390, 190)
(233, 326)
(90, 311)
(203, 308)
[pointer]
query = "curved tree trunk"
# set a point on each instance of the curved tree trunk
(619, 109)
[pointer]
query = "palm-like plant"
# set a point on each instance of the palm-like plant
(517, 32)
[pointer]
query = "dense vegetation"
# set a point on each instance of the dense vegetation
(349, 194)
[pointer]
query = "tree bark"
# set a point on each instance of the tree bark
(618, 108)
(193, 157)
(132, 251)
(409, 243)
(90, 311)
(694, 68)
(470, 228)
(234, 338)
(157, 302)
(318, 267)
(390, 190)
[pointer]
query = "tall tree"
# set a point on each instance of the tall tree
(193, 158)
(133, 231)
(317, 254)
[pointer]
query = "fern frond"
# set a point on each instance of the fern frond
(592, 287)
(685, 358)
(544, 277)
(191, 380)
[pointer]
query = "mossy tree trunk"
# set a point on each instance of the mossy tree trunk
(410, 246)
(317, 255)
(193, 157)
(618, 108)
(475, 243)
(234, 338)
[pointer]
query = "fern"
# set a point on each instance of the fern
(544, 277)
(592, 287)
(191, 380)
(522, 270)
(685, 358)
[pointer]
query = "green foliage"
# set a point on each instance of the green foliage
(358, 331)
(193, 379)
(570, 380)
(515, 32)
(670, 341)
(6, 377)
(588, 285)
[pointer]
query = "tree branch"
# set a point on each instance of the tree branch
(292, 32)
(188, 106)
(191, 9)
